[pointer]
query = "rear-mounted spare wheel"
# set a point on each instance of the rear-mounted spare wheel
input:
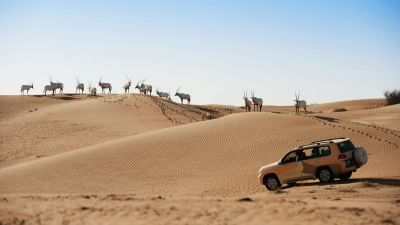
(360, 155)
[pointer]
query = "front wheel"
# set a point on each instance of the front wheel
(345, 176)
(272, 183)
(325, 175)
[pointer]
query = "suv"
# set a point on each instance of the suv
(324, 159)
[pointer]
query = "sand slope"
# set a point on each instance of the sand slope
(218, 157)
(58, 125)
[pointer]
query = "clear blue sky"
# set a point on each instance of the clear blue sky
(327, 50)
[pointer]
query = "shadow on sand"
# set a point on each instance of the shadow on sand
(374, 181)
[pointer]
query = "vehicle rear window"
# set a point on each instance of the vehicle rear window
(346, 146)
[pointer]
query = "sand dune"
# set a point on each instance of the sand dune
(218, 158)
(387, 117)
(123, 158)
(58, 126)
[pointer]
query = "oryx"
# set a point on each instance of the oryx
(141, 89)
(50, 87)
(247, 102)
(144, 88)
(92, 91)
(105, 86)
(57, 85)
(183, 96)
(162, 94)
(80, 87)
(257, 102)
(299, 104)
(147, 87)
(127, 86)
(26, 87)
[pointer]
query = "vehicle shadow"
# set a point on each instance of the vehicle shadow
(393, 182)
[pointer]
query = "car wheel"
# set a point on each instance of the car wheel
(345, 176)
(272, 183)
(325, 175)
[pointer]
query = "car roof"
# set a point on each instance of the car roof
(323, 142)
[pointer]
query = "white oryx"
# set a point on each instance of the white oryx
(26, 88)
(183, 96)
(127, 86)
(147, 87)
(80, 87)
(299, 104)
(50, 87)
(247, 102)
(141, 90)
(92, 91)
(257, 102)
(105, 86)
(144, 88)
(57, 85)
(162, 94)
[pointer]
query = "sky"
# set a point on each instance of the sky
(326, 50)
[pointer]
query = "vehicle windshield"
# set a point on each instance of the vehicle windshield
(290, 157)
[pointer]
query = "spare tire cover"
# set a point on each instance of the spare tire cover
(360, 156)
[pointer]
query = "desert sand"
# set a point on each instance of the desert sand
(134, 159)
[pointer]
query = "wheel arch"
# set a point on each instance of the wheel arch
(269, 175)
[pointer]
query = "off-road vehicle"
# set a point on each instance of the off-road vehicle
(324, 159)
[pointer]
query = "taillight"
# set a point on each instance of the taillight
(342, 156)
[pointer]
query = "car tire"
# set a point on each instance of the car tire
(272, 183)
(360, 155)
(345, 176)
(325, 175)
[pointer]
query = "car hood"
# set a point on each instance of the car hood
(269, 166)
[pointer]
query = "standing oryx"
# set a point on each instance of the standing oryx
(80, 87)
(127, 86)
(258, 102)
(147, 87)
(26, 87)
(144, 88)
(183, 96)
(50, 87)
(105, 86)
(299, 104)
(92, 91)
(247, 102)
(163, 94)
(57, 85)
(141, 89)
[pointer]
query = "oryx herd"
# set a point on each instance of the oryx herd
(256, 102)
(146, 89)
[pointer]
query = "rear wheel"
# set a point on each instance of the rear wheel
(272, 183)
(345, 176)
(325, 175)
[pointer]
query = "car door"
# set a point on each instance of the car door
(291, 168)
(313, 158)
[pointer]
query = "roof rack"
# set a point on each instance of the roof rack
(324, 140)
(330, 139)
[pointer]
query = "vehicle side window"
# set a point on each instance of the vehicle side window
(291, 157)
(315, 152)
(324, 151)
